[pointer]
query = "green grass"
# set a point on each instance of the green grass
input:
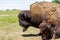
(8, 17)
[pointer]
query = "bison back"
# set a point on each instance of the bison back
(44, 11)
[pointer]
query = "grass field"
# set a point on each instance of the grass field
(10, 29)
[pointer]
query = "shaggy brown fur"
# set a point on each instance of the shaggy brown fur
(45, 11)
(39, 12)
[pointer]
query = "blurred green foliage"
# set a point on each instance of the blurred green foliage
(8, 17)
(56, 1)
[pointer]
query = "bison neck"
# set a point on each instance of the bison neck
(35, 23)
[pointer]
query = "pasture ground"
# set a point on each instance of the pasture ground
(10, 29)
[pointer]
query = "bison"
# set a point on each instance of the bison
(25, 22)
(43, 15)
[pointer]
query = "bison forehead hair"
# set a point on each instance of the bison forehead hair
(24, 17)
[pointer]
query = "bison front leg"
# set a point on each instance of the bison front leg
(44, 29)
(53, 38)
(44, 37)
(54, 33)
(42, 26)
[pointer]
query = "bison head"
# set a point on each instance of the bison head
(24, 19)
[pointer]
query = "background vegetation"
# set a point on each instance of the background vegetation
(56, 1)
